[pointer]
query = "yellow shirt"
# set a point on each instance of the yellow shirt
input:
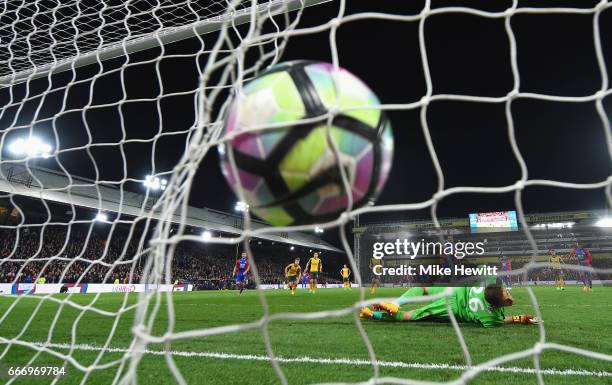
(314, 264)
(345, 272)
(556, 261)
(293, 269)
(375, 262)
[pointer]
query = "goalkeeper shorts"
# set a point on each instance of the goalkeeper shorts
(436, 310)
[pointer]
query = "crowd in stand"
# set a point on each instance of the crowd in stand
(215, 271)
(534, 275)
(84, 256)
(73, 254)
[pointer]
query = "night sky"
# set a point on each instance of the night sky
(467, 55)
(470, 55)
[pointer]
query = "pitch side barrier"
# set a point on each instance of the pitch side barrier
(320, 286)
(57, 288)
(522, 284)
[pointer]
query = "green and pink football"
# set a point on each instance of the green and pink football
(286, 168)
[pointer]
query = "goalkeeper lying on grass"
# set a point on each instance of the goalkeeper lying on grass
(479, 304)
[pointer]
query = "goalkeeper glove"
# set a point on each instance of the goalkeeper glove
(525, 319)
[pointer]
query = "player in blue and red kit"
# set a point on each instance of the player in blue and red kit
(506, 266)
(304, 279)
(584, 259)
(241, 270)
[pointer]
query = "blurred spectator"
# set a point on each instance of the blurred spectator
(81, 255)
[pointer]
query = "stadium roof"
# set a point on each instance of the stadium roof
(51, 185)
(585, 217)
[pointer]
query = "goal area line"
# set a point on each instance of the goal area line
(330, 361)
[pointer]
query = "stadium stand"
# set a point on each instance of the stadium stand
(86, 254)
(559, 231)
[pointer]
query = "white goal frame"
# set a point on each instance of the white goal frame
(207, 133)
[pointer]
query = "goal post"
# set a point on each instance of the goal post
(127, 43)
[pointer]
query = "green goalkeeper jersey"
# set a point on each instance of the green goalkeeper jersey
(470, 305)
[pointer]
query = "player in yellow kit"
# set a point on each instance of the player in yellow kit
(292, 272)
(345, 272)
(316, 267)
(556, 262)
(375, 265)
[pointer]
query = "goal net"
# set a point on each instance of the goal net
(96, 94)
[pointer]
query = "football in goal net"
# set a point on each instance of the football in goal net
(305, 191)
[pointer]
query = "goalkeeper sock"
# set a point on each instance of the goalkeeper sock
(378, 315)
(414, 292)
(399, 316)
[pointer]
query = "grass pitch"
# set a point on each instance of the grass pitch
(322, 350)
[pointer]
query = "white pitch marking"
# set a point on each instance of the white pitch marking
(335, 361)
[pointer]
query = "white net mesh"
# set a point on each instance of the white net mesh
(56, 56)
(40, 36)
